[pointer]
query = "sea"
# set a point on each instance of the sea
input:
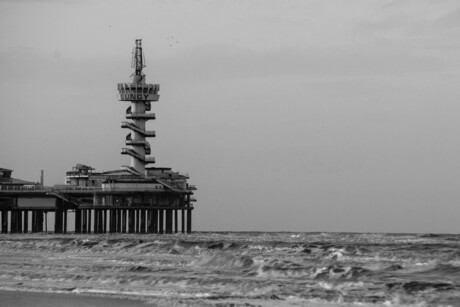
(239, 268)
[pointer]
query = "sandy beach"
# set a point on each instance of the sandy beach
(43, 299)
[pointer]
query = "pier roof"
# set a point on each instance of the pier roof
(14, 181)
(5, 173)
(6, 179)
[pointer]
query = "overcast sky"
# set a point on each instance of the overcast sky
(339, 115)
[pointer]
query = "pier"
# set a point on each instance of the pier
(28, 210)
(137, 198)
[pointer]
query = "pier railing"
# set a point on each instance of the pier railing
(71, 188)
(21, 188)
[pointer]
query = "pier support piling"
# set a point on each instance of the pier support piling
(176, 220)
(65, 221)
(189, 221)
(155, 220)
(160, 221)
(123, 220)
(131, 220)
(77, 221)
(143, 220)
(58, 221)
(26, 221)
(84, 221)
(4, 221)
(169, 221)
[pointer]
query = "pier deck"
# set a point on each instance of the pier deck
(95, 210)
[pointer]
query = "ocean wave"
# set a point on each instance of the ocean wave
(418, 286)
(224, 260)
(208, 269)
(338, 272)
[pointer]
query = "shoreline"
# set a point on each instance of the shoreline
(18, 298)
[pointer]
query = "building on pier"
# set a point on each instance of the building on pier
(7, 182)
(82, 176)
(135, 199)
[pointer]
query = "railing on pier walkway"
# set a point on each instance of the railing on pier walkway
(21, 188)
(107, 188)
(46, 189)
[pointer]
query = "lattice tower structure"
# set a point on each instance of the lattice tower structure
(140, 94)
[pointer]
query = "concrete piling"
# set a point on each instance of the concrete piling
(156, 220)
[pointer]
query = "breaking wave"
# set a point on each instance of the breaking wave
(240, 269)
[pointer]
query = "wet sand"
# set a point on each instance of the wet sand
(43, 299)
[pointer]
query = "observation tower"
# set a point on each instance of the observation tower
(140, 94)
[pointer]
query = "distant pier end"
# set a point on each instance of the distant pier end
(135, 199)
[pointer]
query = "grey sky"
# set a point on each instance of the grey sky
(288, 115)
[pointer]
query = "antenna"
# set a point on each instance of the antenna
(138, 58)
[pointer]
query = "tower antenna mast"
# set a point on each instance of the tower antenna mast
(138, 61)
